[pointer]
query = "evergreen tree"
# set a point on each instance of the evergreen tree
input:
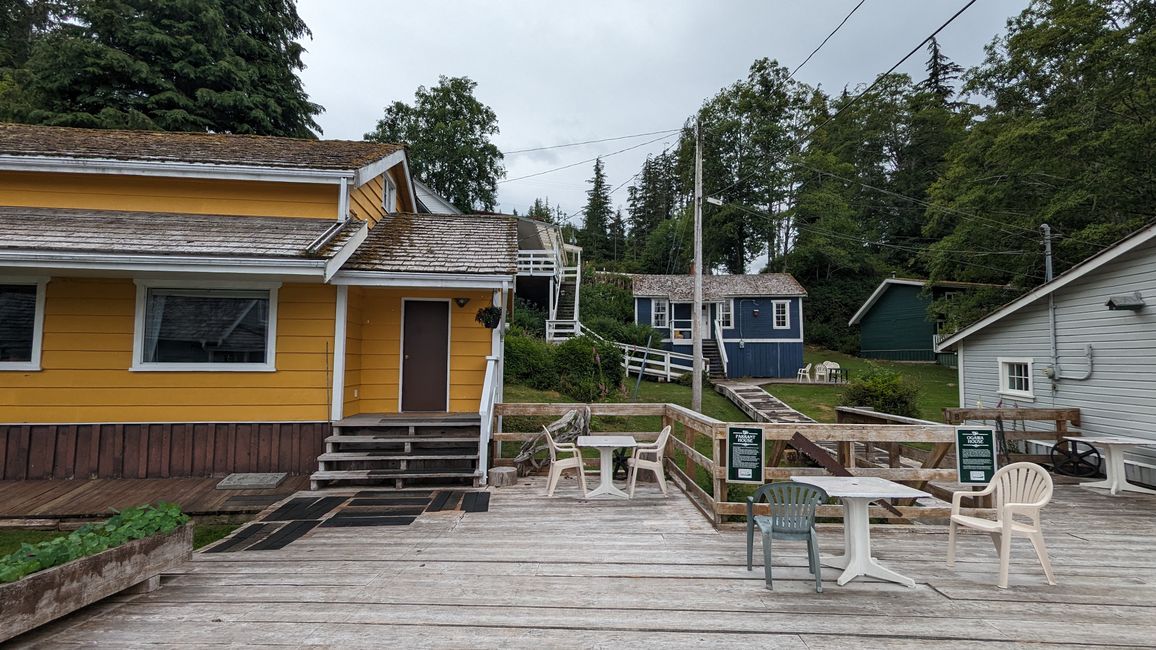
(541, 211)
(224, 66)
(448, 131)
(617, 233)
(594, 237)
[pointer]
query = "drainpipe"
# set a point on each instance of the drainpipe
(1054, 373)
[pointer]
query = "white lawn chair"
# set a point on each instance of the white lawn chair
(1020, 489)
(649, 456)
(821, 372)
(804, 374)
(558, 465)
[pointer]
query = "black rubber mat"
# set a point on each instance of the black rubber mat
(283, 537)
(379, 512)
(445, 500)
(305, 508)
(476, 502)
(244, 537)
(399, 501)
(345, 522)
(425, 494)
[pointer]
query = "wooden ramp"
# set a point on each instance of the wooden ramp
(758, 404)
(650, 572)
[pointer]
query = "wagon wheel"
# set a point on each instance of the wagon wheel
(1075, 458)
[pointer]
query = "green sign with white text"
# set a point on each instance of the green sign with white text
(745, 455)
(975, 459)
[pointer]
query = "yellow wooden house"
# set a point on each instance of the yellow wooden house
(176, 304)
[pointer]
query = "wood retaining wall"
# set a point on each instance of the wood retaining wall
(167, 450)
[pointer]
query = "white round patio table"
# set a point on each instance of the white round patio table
(856, 493)
(606, 446)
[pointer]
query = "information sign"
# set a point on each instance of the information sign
(975, 459)
(744, 455)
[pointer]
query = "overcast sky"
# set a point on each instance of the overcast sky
(564, 71)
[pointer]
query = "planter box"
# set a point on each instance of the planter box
(47, 595)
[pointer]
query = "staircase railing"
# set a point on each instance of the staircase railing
(562, 329)
(538, 262)
(486, 412)
(722, 349)
(656, 362)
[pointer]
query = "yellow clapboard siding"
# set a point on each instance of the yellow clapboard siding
(366, 201)
(470, 343)
(160, 194)
(88, 351)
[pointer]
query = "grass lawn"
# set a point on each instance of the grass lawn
(938, 387)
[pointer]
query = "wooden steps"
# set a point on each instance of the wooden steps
(400, 452)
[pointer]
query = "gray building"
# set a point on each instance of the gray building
(1096, 352)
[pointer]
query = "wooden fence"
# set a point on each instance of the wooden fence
(697, 451)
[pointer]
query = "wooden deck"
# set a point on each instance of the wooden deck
(27, 502)
(645, 573)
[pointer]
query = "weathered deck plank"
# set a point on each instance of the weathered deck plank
(649, 573)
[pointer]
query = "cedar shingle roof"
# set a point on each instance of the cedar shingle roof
(717, 287)
(208, 148)
(439, 243)
(156, 233)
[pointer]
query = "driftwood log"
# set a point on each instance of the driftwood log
(566, 429)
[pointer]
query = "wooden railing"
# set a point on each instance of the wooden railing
(538, 262)
(722, 348)
(486, 415)
(696, 455)
(656, 362)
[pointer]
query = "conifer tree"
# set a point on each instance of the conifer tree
(594, 237)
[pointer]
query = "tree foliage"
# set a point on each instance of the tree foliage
(448, 132)
(223, 66)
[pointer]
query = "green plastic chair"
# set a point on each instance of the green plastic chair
(792, 518)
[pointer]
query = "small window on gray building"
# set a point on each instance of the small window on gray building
(1015, 377)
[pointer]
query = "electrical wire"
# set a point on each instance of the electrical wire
(837, 28)
(582, 162)
(578, 144)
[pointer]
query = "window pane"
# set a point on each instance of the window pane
(206, 326)
(17, 321)
(1018, 378)
(781, 314)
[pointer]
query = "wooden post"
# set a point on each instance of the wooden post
(719, 451)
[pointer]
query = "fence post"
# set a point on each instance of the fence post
(719, 451)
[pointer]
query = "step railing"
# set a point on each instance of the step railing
(560, 330)
(486, 413)
(656, 362)
(722, 348)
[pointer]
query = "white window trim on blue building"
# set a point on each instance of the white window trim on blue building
(654, 312)
(786, 314)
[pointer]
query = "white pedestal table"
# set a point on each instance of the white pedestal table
(1114, 448)
(857, 493)
(606, 446)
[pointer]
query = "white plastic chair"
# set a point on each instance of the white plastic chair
(804, 374)
(1020, 489)
(649, 456)
(558, 465)
(821, 372)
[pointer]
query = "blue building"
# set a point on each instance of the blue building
(753, 324)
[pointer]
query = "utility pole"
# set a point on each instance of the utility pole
(696, 316)
(1047, 251)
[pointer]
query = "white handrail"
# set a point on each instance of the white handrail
(722, 349)
(538, 262)
(486, 412)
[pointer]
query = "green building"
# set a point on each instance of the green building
(894, 325)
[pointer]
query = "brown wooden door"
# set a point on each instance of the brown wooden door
(425, 355)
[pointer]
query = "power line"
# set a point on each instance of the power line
(868, 89)
(837, 28)
(578, 144)
(583, 162)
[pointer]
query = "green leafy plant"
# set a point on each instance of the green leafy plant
(588, 369)
(884, 390)
(528, 317)
(530, 361)
(133, 523)
(490, 316)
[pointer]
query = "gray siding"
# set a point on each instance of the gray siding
(1120, 396)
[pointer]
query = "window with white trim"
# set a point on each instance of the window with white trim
(1015, 377)
(389, 195)
(781, 315)
(192, 328)
(660, 312)
(21, 323)
(726, 314)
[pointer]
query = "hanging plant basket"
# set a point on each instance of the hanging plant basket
(491, 316)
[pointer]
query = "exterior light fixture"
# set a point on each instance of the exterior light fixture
(462, 301)
(1130, 303)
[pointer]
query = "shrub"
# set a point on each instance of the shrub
(134, 523)
(588, 369)
(631, 333)
(884, 390)
(530, 361)
(528, 317)
(603, 300)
